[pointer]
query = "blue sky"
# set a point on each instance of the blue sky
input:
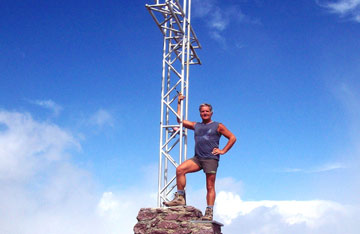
(80, 108)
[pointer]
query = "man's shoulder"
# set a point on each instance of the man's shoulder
(217, 124)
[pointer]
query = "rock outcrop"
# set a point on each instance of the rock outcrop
(174, 220)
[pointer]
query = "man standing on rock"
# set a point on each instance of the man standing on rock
(207, 155)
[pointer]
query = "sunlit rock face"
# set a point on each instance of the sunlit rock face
(173, 220)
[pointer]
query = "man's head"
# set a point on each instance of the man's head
(205, 112)
(205, 104)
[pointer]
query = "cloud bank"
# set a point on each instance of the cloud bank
(280, 217)
(230, 206)
(27, 146)
(268, 217)
(344, 8)
(42, 191)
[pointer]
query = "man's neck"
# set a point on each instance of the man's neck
(207, 121)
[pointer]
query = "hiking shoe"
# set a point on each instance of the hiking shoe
(179, 200)
(208, 215)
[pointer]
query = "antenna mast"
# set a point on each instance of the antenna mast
(179, 51)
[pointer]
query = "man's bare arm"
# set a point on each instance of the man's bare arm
(186, 123)
(231, 140)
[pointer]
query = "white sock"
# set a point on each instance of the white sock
(181, 192)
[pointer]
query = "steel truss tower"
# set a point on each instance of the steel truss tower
(179, 51)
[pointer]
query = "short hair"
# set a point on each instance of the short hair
(205, 104)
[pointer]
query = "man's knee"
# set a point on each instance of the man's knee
(180, 170)
(210, 187)
(187, 167)
(210, 182)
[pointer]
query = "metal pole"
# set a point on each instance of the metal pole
(161, 122)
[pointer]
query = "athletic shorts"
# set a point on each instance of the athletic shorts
(208, 165)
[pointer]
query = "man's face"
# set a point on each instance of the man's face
(205, 113)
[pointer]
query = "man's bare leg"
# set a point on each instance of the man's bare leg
(210, 196)
(188, 166)
(210, 187)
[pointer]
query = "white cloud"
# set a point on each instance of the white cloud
(269, 220)
(229, 184)
(122, 207)
(323, 168)
(344, 8)
(314, 216)
(26, 145)
(45, 193)
(49, 104)
(330, 167)
(219, 18)
(217, 36)
(42, 191)
(283, 216)
(292, 170)
(101, 118)
(202, 8)
(270, 216)
(230, 206)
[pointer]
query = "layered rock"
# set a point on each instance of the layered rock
(173, 220)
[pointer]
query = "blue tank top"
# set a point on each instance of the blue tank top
(206, 139)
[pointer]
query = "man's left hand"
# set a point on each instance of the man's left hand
(217, 151)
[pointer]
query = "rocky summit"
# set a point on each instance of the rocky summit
(173, 220)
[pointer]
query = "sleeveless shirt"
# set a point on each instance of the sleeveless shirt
(206, 139)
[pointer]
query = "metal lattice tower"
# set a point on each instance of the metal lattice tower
(179, 51)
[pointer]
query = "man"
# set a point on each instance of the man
(207, 152)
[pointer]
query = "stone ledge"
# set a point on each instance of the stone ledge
(174, 220)
(203, 221)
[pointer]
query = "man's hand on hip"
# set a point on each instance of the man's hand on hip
(217, 151)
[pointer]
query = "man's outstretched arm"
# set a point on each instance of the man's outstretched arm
(231, 140)
(186, 123)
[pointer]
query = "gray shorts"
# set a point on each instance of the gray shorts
(208, 165)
